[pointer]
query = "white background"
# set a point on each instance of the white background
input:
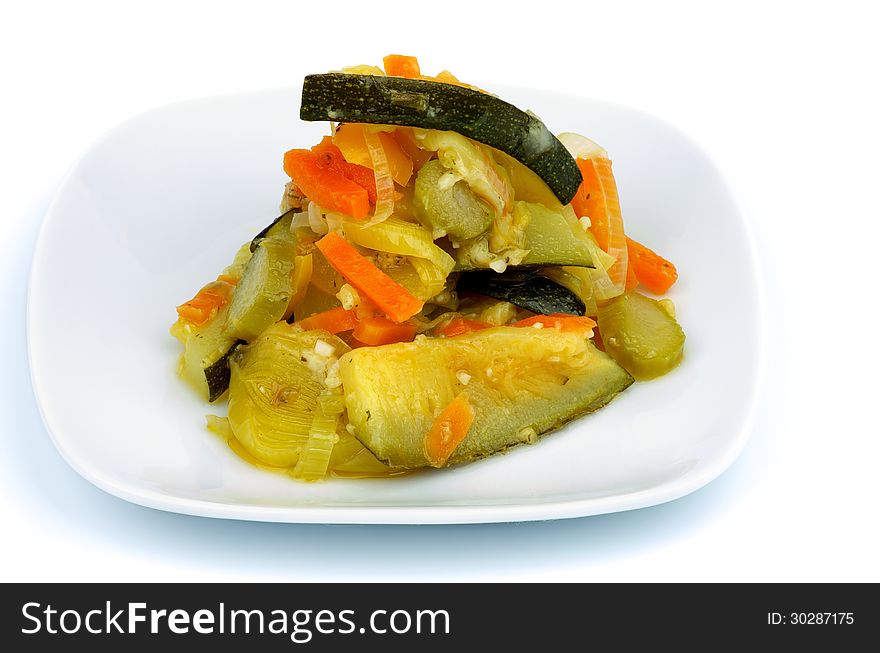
(783, 96)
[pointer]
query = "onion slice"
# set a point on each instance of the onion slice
(384, 181)
(314, 458)
(316, 219)
(300, 220)
(581, 147)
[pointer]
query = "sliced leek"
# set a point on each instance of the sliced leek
(274, 392)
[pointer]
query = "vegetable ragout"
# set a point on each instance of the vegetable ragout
(447, 279)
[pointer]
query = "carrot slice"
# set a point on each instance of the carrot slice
(330, 156)
(652, 270)
(399, 65)
(381, 331)
(458, 325)
(448, 430)
(349, 138)
(389, 296)
(597, 198)
(561, 321)
(325, 185)
(202, 308)
(334, 320)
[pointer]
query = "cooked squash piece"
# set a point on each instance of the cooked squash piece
(278, 227)
(521, 383)
(449, 208)
(206, 350)
(641, 335)
(268, 283)
(552, 240)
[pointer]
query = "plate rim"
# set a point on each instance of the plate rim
(477, 513)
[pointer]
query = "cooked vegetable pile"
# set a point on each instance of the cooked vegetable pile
(447, 279)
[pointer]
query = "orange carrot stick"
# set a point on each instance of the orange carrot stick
(597, 198)
(381, 331)
(652, 270)
(561, 321)
(334, 320)
(389, 296)
(448, 430)
(326, 186)
(458, 325)
(399, 65)
(202, 308)
(331, 156)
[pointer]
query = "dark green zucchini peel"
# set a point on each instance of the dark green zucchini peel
(277, 225)
(525, 289)
(342, 97)
(217, 373)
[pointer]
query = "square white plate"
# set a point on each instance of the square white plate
(160, 205)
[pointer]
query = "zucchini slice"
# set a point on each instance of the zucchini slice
(263, 293)
(343, 97)
(217, 373)
(521, 383)
(641, 335)
(552, 240)
(450, 210)
(204, 363)
(276, 227)
(549, 238)
(525, 289)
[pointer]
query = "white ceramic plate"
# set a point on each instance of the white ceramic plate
(160, 205)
